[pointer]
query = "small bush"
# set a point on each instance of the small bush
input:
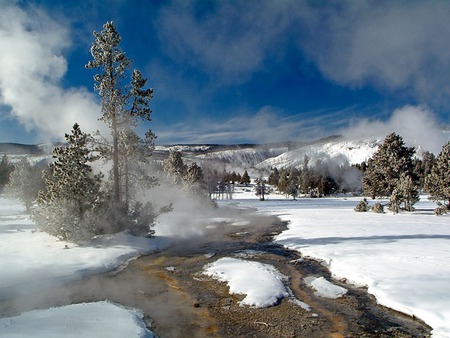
(362, 206)
(440, 209)
(378, 208)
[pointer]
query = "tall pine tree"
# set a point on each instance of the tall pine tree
(122, 104)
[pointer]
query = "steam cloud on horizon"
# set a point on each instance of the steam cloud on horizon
(416, 124)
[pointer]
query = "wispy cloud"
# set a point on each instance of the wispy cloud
(32, 65)
(391, 45)
(263, 126)
(229, 40)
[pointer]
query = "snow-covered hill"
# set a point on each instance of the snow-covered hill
(340, 152)
(280, 155)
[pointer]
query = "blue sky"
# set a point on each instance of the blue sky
(231, 71)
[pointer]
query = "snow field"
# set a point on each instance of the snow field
(403, 259)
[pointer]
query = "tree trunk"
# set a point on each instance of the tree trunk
(127, 192)
(115, 161)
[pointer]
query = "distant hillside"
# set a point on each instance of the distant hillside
(20, 149)
(282, 154)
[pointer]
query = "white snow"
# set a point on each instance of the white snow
(31, 260)
(262, 284)
(325, 288)
(343, 151)
(403, 259)
(101, 319)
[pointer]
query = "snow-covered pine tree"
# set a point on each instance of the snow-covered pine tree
(134, 157)
(122, 105)
(437, 183)
(174, 167)
(390, 161)
(71, 206)
(193, 178)
(406, 191)
(25, 182)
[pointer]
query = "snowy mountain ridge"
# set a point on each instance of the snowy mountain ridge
(242, 156)
(280, 155)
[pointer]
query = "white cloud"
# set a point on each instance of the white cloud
(417, 125)
(32, 65)
(389, 44)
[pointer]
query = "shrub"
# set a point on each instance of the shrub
(441, 209)
(378, 208)
(362, 206)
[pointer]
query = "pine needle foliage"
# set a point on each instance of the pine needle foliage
(390, 173)
(71, 206)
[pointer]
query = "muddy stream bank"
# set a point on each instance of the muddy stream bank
(178, 301)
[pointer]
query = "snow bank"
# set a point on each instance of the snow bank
(403, 259)
(101, 319)
(262, 284)
(30, 258)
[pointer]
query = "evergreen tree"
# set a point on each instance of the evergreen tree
(133, 158)
(122, 105)
(261, 188)
(293, 183)
(283, 182)
(292, 189)
(306, 178)
(71, 205)
(6, 168)
(193, 178)
(174, 167)
(390, 161)
(245, 178)
(25, 182)
(406, 191)
(437, 182)
(211, 179)
(274, 177)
